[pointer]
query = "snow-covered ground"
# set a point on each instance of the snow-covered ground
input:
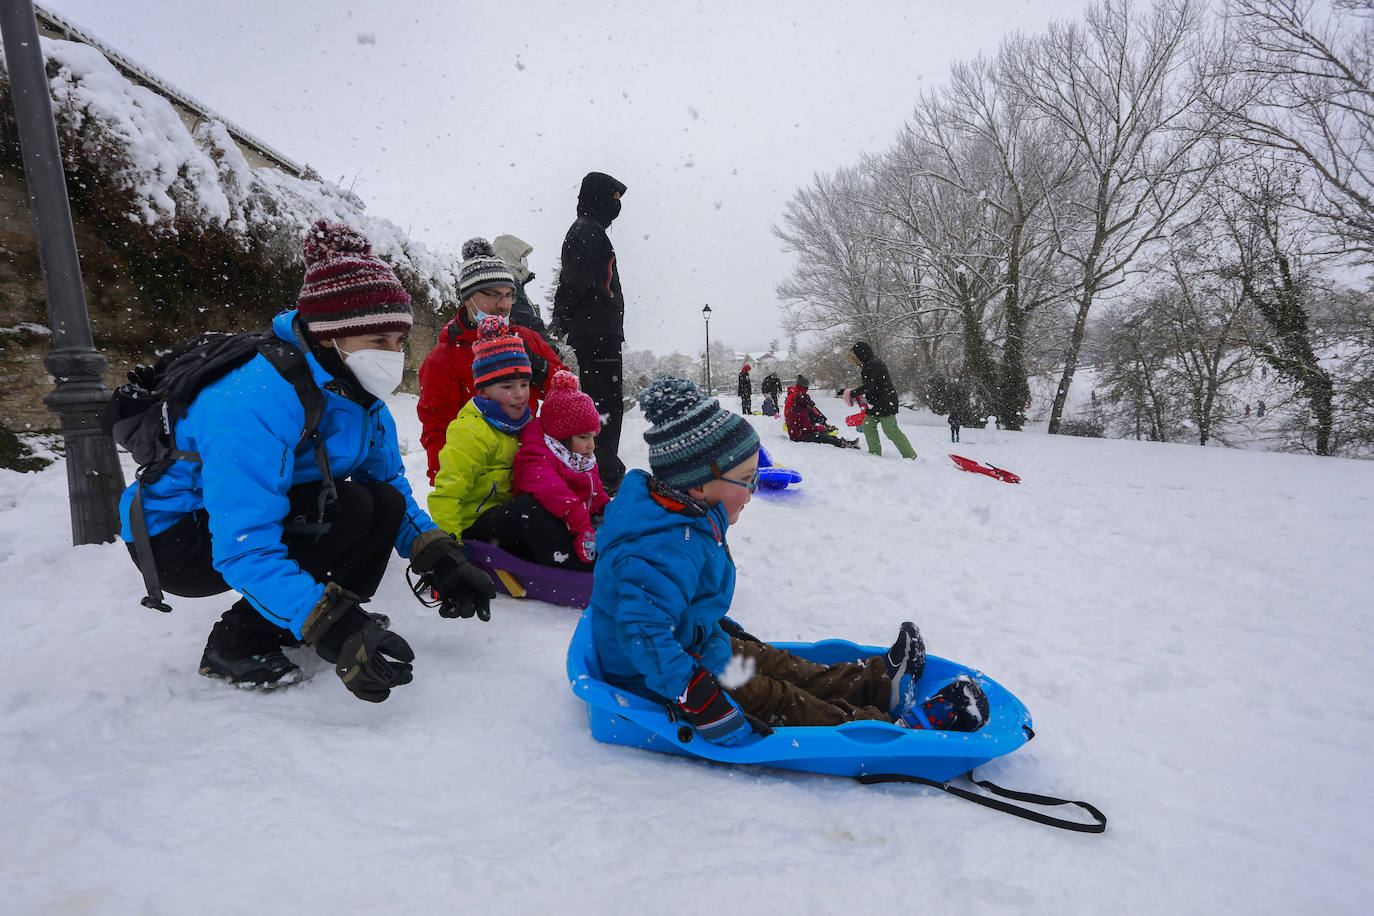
(1189, 627)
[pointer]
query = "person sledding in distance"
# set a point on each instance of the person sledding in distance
(473, 494)
(486, 286)
(244, 509)
(881, 396)
(806, 423)
(557, 483)
(665, 579)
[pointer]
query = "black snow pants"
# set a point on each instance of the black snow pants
(365, 520)
(600, 375)
(527, 530)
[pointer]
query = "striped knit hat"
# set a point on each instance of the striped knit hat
(693, 439)
(497, 354)
(481, 269)
(347, 289)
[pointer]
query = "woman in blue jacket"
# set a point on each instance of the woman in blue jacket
(246, 515)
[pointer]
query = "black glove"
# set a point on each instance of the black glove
(461, 589)
(735, 631)
(364, 667)
(539, 366)
(558, 327)
(711, 712)
(357, 645)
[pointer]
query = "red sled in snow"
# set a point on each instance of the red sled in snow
(968, 464)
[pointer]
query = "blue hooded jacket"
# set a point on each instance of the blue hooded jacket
(663, 580)
(245, 426)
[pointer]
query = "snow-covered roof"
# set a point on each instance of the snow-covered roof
(766, 356)
(57, 26)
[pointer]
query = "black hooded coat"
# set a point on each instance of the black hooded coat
(877, 384)
(588, 302)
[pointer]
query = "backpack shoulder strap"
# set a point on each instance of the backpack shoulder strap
(291, 365)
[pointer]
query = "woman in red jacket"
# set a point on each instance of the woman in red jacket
(485, 287)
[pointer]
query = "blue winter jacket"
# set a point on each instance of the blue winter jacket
(663, 581)
(245, 426)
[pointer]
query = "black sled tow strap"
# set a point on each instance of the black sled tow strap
(1100, 819)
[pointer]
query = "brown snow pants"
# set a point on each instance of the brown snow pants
(789, 690)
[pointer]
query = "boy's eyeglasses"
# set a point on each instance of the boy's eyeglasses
(752, 486)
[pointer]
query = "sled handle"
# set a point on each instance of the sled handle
(1098, 825)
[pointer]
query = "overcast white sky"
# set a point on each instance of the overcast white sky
(478, 118)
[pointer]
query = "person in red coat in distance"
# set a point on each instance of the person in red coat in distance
(485, 287)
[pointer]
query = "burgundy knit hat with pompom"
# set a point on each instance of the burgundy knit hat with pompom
(348, 290)
(567, 411)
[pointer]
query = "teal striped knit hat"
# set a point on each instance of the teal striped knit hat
(693, 439)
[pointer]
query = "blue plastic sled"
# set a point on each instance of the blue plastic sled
(855, 749)
(523, 579)
(773, 477)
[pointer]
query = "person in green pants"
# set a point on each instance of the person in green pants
(878, 393)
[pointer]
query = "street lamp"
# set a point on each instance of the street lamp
(94, 478)
(706, 313)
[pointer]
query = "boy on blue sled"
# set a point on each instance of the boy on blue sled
(665, 579)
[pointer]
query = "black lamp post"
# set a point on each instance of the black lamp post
(706, 313)
(94, 479)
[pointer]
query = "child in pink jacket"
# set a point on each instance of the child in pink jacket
(556, 466)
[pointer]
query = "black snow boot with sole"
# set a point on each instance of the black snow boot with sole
(270, 668)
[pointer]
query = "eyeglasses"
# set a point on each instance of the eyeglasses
(752, 486)
(498, 295)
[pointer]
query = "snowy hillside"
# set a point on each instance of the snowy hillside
(1189, 628)
(202, 179)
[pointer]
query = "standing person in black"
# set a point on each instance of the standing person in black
(746, 390)
(589, 308)
(880, 397)
(773, 385)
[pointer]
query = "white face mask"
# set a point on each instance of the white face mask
(378, 371)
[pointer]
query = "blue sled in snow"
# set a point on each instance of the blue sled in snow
(854, 749)
(773, 477)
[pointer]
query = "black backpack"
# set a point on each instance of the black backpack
(142, 415)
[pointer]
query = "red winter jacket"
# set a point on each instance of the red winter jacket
(573, 496)
(802, 414)
(446, 382)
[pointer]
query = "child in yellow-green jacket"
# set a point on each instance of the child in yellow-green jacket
(476, 464)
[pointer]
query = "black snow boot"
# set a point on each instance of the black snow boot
(244, 648)
(959, 706)
(904, 663)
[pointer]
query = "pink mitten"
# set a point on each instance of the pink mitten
(584, 542)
